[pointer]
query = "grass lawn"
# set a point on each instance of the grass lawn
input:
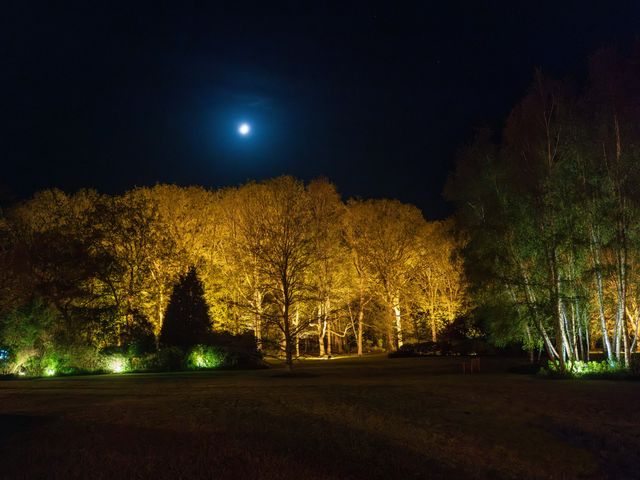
(363, 418)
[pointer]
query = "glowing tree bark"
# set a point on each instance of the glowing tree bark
(361, 276)
(326, 212)
(238, 262)
(387, 232)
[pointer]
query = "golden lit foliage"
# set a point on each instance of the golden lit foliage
(290, 262)
(439, 276)
(385, 233)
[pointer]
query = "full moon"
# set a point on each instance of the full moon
(244, 129)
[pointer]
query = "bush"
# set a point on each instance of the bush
(78, 359)
(240, 351)
(27, 333)
(45, 365)
(464, 337)
(139, 338)
(224, 351)
(237, 358)
(205, 357)
(634, 367)
(70, 360)
(580, 369)
(460, 346)
(5, 361)
(169, 359)
(417, 350)
(460, 337)
(116, 363)
(144, 363)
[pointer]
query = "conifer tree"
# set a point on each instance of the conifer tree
(187, 321)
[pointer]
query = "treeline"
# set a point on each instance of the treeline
(551, 208)
(292, 263)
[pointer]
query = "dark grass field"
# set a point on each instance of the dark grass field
(370, 418)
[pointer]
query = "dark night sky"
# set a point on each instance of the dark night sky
(376, 97)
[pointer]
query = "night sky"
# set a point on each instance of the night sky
(375, 97)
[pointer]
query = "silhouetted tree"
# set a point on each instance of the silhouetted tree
(186, 322)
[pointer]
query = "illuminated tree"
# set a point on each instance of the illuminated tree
(7, 280)
(361, 275)
(439, 276)
(54, 258)
(244, 285)
(130, 234)
(515, 236)
(386, 232)
(277, 222)
(290, 262)
(327, 272)
(185, 232)
(552, 213)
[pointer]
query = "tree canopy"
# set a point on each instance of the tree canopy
(551, 210)
(292, 263)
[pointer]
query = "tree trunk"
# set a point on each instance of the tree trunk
(433, 326)
(600, 296)
(531, 302)
(560, 333)
(398, 320)
(322, 328)
(390, 342)
(360, 327)
(625, 339)
(530, 341)
(288, 340)
(327, 309)
(297, 335)
(258, 319)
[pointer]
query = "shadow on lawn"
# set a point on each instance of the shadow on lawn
(98, 450)
(12, 424)
(616, 453)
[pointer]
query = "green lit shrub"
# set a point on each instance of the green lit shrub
(147, 362)
(580, 369)
(46, 365)
(28, 334)
(65, 360)
(34, 363)
(78, 359)
(82, 359)
(116, 363)
(205, 357)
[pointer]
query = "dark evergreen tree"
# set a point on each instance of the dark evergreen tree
(187, 321)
